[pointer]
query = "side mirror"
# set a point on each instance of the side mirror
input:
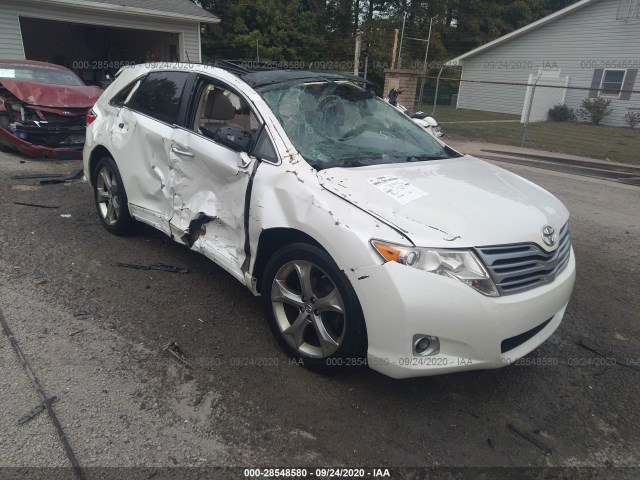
(235, 138)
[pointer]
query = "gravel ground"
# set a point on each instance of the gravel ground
(123, 401)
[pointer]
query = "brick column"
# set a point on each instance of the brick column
(405, 80)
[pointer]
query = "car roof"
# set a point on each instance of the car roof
(254, 74)
(32, 63)
(259, 74)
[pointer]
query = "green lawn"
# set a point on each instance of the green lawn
(451, 114)
(600, 142)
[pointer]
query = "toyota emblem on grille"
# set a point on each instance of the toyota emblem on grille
(549, 235)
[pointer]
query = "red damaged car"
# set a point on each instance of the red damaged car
(43, 109)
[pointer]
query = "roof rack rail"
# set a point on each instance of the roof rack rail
(242, 67)
(259, 73)
(232, 66)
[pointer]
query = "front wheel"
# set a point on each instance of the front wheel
(312, 308)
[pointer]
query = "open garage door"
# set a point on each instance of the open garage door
(95, 52)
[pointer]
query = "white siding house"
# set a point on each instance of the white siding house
(89, 35)
(591, 47)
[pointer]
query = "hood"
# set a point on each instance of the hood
(48, 95)
(454, 203)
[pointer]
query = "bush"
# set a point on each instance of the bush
(594, 109)
(561, 113)
(632, 119)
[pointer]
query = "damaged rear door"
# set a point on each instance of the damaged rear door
(141, 136)
(211, 169)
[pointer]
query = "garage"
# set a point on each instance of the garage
(94, 51)
(95, 38)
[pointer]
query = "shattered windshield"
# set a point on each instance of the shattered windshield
(342, 125)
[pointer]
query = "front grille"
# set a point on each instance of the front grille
(523, 266)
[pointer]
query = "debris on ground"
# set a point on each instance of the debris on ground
(588, 345)
(77, 175)
(34, 176)
(40, 281)
(162, 267)
(37, 205)
(174, 349)
(31, 414)
(73, 334)
(530, 438)
(65, 215)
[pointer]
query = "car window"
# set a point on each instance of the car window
(159, 95)
(264, 148)
(123, 95)
(218, 107)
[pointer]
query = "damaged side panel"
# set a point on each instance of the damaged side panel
(278, 201)
(144, 143)
(207, 192)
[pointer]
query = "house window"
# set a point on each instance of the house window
(612, 81)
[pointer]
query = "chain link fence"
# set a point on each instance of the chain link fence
(545, 113)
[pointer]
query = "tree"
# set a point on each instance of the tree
(279, 31)
(310, 30)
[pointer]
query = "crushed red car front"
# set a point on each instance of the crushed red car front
(44, 120)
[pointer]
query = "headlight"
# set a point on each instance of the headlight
(462, 265)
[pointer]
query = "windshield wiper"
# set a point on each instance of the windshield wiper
(342, 164)
(447, 153)
(423, 158)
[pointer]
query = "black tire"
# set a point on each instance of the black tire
(346, 343)
(111, 202)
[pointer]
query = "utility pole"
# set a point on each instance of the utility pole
(404, 20)
(356, 59)
(366, 65)
(395, 49)
(258, 50)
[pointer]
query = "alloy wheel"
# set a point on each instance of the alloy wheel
(308, 309)
(108, 195)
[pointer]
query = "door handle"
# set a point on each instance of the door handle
(181, 152)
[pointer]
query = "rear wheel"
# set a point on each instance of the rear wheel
(111, 198)
(312, 308)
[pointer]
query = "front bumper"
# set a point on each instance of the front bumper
(29, 149)
(399, 302)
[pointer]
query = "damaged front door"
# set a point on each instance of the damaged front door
(210, 173)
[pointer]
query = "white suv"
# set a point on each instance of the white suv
(369, 240)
